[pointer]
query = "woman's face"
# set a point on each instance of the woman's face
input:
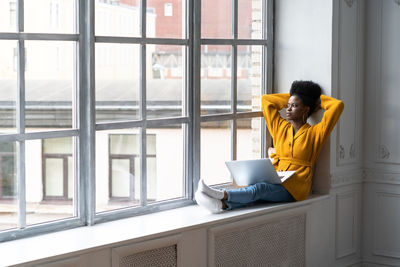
(295, 110)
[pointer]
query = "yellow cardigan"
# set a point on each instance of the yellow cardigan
(298, 152)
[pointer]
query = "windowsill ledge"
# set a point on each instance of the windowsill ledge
(86, 239)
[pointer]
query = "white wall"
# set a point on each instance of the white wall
(323, 41)
(381, 232)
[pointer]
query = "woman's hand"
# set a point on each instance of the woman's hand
(271, 151)
(317, 105)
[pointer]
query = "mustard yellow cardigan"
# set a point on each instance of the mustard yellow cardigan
(298, 152)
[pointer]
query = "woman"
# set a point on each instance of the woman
(297, 145)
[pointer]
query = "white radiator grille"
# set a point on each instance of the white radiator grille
(165, 257)
(280, 243)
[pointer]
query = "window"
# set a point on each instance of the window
(58, 175)
(7, 171)
(123, 167)
(13, 16)
(103, 128)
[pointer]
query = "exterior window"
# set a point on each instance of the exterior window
(13, 14)
(57, 172)
(121, 114)
(123, 167)
(54, 14)
(7, 171)
(168, 9)
(15, 61)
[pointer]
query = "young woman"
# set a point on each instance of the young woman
(296, 147)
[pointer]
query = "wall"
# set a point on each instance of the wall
(381, 213)
(323, 41)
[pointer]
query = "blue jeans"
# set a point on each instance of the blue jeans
(259, 192)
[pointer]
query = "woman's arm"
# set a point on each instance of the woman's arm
(271, 105)
(333, 109)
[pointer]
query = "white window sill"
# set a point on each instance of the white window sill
(86, 239)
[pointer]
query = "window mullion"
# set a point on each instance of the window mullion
(196, 48)
(21, 120)
(188, 98)
(143, 115)
(86, 106)
(267, 66)
(234, 90)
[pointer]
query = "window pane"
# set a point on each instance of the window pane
(249, 78)
(50, 83)
(8, 87)
(54, 172)
(216, 19)
(118, 18)
(165, 157)
(50, 16)
(165, 80)
(8, 187)
(117, 82)
(164, 18)
(47, 179)
(117, 169)
(120, 172)
(249, 138)
(58, 145)
(216, 79)
(8, 20)
(250, 19)
(215, 151)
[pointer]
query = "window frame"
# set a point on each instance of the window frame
(84, 127)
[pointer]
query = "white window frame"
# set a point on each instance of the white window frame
(85, 126)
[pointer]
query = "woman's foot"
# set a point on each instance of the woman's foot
(211, 204)
(214, 193)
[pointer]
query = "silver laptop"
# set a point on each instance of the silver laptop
(248, 172)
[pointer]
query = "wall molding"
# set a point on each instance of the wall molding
(375, 176)
(348, 151)
(347, 178)
(351, 196)
(380, 233)
(349, 2)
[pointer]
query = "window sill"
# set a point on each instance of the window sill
(87, 239)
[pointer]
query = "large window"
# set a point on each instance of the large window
(125, 105)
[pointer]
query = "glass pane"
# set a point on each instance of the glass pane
(8, 85)
(126, 144)
(249, 138)
(117, 169)
(216, 19)
(58, 145)
(8, 19)
(165, 80)
(249, 75)
(71, 178)
(49, 16)
(120, 178)
(165, 157)
(117, 18)
(47, 187)
(164, 18)
(216, 62)
(54, 181)
(49, 73)
(215, 151)
(250, 19)
(117, 82)
(8, 187)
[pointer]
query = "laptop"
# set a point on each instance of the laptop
(248, 172)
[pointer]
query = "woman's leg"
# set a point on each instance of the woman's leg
(241, 197)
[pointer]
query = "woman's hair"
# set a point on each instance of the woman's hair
(308, 91)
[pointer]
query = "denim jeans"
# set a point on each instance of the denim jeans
(259, 192)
